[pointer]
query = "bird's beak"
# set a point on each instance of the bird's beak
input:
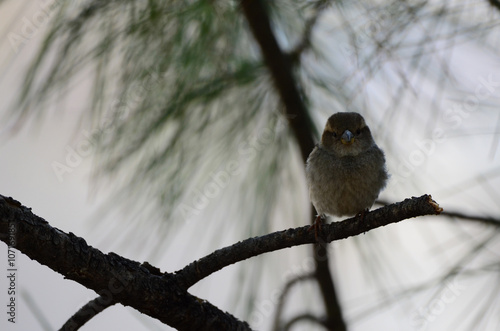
(347, 137)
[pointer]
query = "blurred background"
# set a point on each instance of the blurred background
(152, 129)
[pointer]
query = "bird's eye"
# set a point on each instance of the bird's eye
(358, 131)
(334, 134)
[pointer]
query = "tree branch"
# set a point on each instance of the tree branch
(281, 72)
(305, 317)
(117, 279)
(86, 313)
(251, 247)
(114, 278)
(335, 320)
(284, 293)
(488, 220)
(495, 3)
(305, 42)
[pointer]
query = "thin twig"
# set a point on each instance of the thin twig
(489, 220)
(305, 317)
(284, 293)
(305, 42)
(86, 313)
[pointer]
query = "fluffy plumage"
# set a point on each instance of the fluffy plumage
(346, 170)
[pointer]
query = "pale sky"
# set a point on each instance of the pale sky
(446, 171)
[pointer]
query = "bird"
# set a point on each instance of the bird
(346, 170)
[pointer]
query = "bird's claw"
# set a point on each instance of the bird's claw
(317, 225)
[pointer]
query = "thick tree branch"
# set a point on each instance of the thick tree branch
(114, 278)
(281, 72)
(164, 297)
(334, 320)
(248, 248)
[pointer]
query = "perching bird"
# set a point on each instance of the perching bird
(346, 170)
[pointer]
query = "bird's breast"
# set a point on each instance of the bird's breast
(343, 186)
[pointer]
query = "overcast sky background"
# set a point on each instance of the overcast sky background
(450, 172)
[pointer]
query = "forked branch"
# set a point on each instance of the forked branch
(165, 296)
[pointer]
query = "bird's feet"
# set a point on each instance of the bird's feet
(317, 225)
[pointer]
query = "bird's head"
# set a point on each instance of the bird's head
(346, 134)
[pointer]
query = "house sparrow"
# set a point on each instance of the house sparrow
(346, 171)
